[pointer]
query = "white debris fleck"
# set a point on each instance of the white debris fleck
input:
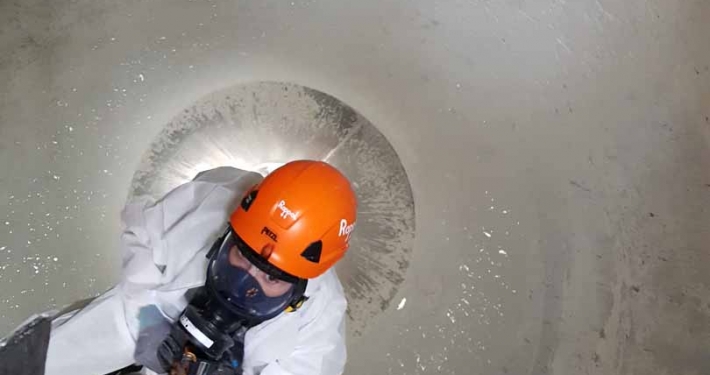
(55, 259)
(463, 267)
(487, 234)
(402, 303)
(505, 211)
(55, 177)
(3, 248)
(141, 77)
(502, 252)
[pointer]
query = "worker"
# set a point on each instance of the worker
(230, 272)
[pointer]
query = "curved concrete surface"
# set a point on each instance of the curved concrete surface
(557, 153)
(259, 126)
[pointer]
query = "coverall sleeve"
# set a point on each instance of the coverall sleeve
(321, 344)
(158, 240)
(97, 339)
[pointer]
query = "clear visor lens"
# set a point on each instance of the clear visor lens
(243, 285)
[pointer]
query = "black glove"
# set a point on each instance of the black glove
(172, 352)
(199, 367)
(172, 348)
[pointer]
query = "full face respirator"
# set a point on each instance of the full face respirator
(242, 290)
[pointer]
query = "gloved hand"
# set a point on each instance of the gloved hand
(193, 365)
(178, 357)
(203, 368)
(172, 348)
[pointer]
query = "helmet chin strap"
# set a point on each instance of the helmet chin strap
(299, 298)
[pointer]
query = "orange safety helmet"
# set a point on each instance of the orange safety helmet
(299, 218)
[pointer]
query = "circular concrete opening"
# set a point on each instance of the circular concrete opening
(259, 126)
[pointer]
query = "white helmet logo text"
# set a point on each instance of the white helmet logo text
(285, 212)
(345, 229)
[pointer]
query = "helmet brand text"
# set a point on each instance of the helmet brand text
(269, 233)
(285, 212)
(345, 229)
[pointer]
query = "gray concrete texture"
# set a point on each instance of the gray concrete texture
(557, 154)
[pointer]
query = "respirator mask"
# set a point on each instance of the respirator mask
(241, 291)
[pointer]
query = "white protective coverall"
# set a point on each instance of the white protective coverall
(164, 245)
